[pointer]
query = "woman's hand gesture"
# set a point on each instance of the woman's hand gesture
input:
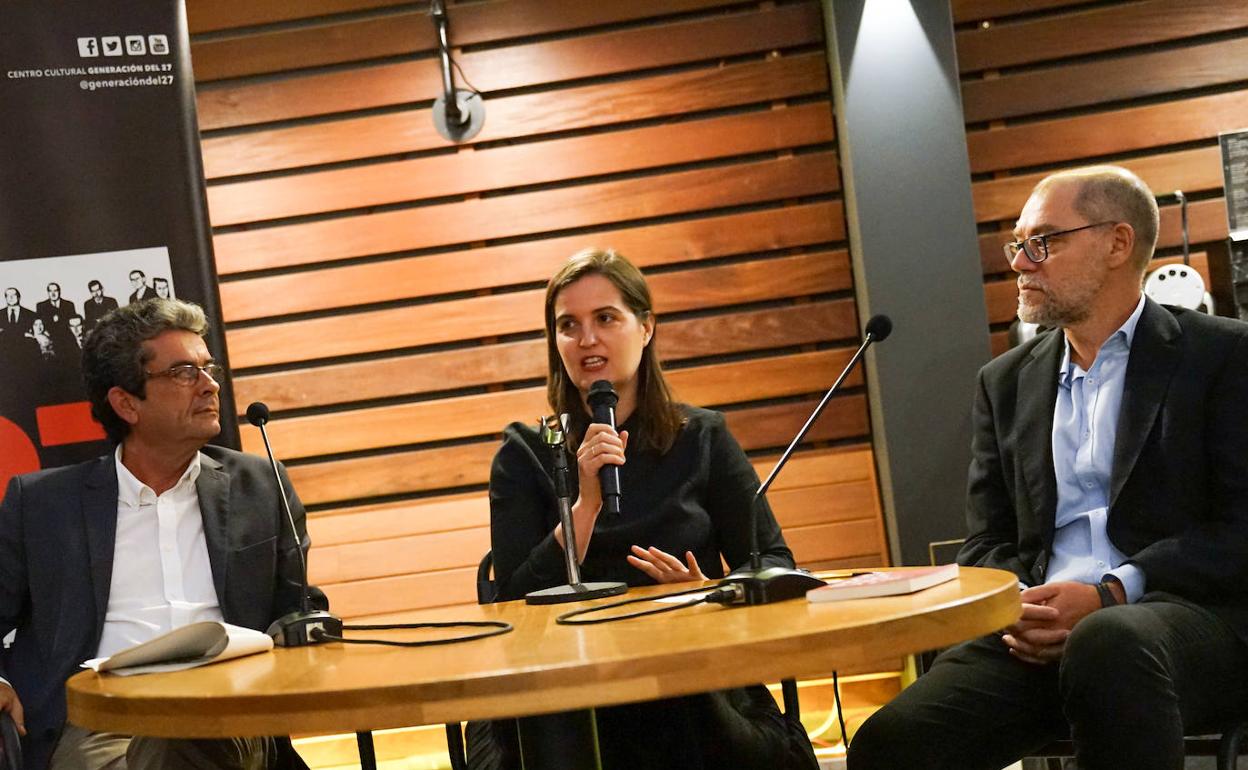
(664, 567)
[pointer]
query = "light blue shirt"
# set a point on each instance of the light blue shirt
(1085, 425)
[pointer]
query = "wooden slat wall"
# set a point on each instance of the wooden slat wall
(1146, 84)
(382, 287)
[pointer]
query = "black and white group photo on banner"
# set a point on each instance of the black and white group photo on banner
(48, 306)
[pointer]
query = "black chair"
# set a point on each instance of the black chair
(1226, 747)
(10, 743)
(487, 592)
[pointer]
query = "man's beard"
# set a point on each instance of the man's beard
(1054, 311)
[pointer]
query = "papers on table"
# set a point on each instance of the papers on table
(197, 644)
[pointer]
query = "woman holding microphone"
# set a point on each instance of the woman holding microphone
(686, 491)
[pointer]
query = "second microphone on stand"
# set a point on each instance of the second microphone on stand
(305, 625)
(602, 399)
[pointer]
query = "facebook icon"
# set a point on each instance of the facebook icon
(88, 48)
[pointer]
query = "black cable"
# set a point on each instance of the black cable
(717, 595)
(840, 712)
(462, 76)
(498, 627)
(567, 618)
(441, 21)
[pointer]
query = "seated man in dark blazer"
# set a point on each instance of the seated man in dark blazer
(162, 532)
(1109, 472)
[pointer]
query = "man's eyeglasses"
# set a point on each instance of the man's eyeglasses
(1036, 248)
(188, 374)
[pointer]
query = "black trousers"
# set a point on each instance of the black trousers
(737, 729)
(1132, 680)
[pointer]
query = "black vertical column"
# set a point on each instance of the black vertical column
(915, 254)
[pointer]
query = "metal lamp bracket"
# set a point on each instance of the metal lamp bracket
(458, 114)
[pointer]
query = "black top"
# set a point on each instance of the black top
(695, 497)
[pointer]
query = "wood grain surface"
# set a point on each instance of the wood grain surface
(522, 65)
(1094, 30)
(1133, 74)
(531, 262)
(345, 138)
(557, 160)
(1121, 130)
(540, 667)
(980, 10)
(523, 213)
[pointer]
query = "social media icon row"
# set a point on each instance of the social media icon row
(115, 45)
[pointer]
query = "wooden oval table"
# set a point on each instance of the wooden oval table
(541, 667)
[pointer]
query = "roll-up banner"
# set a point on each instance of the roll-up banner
(101, 203)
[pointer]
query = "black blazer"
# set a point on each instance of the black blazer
(15, 329)
(93, 311)
(144, 292)
(57, 532)
(55, 316)
(1178, 505)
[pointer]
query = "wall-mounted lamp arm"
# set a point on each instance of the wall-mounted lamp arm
(459, 113)
(454, 117)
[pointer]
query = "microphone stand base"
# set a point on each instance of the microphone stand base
(578, 592)
(773, 584)
(295, 629)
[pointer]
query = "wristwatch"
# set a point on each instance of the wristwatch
(1107, 596)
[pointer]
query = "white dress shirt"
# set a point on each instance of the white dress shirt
(162, 578)
(1085, 431)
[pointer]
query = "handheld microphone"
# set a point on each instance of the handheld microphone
(602, 400)
(755, 585)
(294, 629)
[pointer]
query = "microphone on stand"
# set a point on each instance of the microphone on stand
(298, 628)
(552, 431)
(753, 584)
(602, 400)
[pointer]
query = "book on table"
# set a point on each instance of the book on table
(195, 644)
(866, 585)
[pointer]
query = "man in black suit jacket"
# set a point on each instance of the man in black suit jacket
(80, 573)
(1109, 472)
(95, 308)
(138, 282)
(17, 348)
(55, 310)
(14, 317)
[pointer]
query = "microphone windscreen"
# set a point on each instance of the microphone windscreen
(602, 394)
(257, 413)
(879, 327)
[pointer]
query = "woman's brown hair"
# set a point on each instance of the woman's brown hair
(659, 419)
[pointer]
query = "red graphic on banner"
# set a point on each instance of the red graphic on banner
(17, 453)
(67, 424)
